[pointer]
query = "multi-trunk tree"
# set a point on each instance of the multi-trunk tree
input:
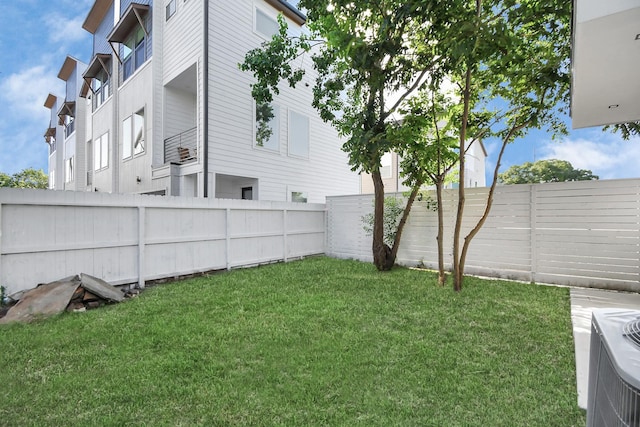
(370, 56)
(512, 75)
(508, 62)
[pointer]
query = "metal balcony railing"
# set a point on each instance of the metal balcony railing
(182, 148)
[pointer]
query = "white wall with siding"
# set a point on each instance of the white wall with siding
(577, 233)
(134, 94)
(48, 235)
(231, 118)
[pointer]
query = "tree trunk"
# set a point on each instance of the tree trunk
(442, 275)
(457, 268)
(403, 221)
(381, 251)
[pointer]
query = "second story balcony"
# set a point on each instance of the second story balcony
(182, 148)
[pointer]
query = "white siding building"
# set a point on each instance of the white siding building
(171, 113)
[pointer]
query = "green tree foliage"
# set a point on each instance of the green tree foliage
(552, 170)
(393, 209)
(369, 56)
(428, 144)
(511, 68)
(26, 178)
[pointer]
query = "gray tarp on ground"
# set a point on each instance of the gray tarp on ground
(53, 298)
(45, 300)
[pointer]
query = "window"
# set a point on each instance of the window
(247, 193)
(69, 125)
(133, 134)
(298, 134)
(265, 25)
(101, 88)
(273, 141)
(299, 196)
(101, 152)
(134, 52)
(385, 165)
(170, 9)
(68, 169)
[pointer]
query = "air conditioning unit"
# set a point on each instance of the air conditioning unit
(614, 369)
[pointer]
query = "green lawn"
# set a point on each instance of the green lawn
(313, 342)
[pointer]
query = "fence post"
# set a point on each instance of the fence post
(228, 237)
(284, 235)
(533, 221)
(141, 242)
(1, 283)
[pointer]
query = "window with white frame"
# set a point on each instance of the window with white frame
(265, 24)
(133, 134)
(298, 134)
(261, 139)
(101, 152)
(299, 196)
(68, 169)
(69, 125)
(170, 9)
(385, 165)
(101, 88)
(134, 52)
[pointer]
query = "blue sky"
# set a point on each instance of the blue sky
(37, 35)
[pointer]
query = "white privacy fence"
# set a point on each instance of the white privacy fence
(48, 235)
(578, 233)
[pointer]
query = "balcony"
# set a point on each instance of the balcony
(182, 148)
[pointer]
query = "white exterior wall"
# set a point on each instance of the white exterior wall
(102, 122)
(231, 119)
(134, 94)
(170, 87)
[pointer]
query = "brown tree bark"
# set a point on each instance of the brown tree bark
(381, 251)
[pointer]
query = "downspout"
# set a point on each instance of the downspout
(205, 125)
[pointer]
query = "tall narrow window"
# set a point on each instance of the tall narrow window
(134, 52)
(268, 136)
(138, 132)
(101, 152)
(68, 169)
(298, 134)
(101, 88)
(126, 137)
(133, 134)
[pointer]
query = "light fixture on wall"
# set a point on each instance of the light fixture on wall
(138, 179)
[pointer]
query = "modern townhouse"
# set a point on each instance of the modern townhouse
(67, 131)
(170, 113)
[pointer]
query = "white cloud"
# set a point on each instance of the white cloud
(606, 155)
(65, 30)
(26, 91)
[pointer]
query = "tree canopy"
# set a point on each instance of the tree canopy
(26, 178)
(551, 170)
(507, 64)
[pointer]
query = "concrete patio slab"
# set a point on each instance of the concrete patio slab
(583, 301)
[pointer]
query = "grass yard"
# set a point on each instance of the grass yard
(313, 342)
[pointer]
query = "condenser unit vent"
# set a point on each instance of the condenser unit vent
(631, 330)
(614, 369)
